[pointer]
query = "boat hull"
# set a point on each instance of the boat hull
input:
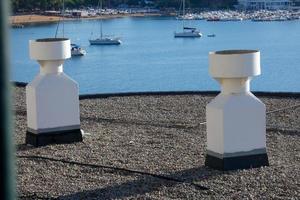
(78, 53)
(77, 50)
(105, 42)
(188, 35)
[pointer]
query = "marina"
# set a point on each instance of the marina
(257, 15)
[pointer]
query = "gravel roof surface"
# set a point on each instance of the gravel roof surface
(159, 134)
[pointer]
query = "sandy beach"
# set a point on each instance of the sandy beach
(25, 19)
(153, 147)
(29, 19)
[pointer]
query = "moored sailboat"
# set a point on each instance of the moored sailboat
(104, 40)
(188, 32)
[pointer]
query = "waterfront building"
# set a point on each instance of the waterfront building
(265, 4)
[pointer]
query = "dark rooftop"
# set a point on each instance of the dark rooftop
(153, 147)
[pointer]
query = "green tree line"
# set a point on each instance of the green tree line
(56, 4)
(213, 4)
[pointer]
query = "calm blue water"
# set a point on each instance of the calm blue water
(151, 59)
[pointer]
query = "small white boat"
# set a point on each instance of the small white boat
(77, 50)
(105, 41)
(188, 32)
(211, 35)
(17, 26)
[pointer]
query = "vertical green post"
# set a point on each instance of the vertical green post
(6, 144)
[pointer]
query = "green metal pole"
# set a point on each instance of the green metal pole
(6, 144)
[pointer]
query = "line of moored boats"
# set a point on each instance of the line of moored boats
(188, 32)
(259, 15)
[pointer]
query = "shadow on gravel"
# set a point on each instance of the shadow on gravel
(166, 124)
(284, 131)
(148, 184)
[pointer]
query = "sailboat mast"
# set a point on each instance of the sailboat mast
(63, 18)
(101, 32)
(183, 8)
(183, 13)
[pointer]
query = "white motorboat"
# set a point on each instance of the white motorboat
(77, 50)
(188, 32)
(104, 40)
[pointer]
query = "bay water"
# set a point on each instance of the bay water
(151, 59)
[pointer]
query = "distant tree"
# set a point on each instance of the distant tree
(57, 4)
(168, 3)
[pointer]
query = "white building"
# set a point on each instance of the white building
(265, 4)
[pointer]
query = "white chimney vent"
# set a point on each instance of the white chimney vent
(236, 119)
(52, 97)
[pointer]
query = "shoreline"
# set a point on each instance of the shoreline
(18, 21)
(277, 94)
(37, 19)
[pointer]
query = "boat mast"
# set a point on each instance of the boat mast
(101, 32)
(183, 8)
(63, 18)
(183, 13)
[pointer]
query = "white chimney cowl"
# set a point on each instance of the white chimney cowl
(52, 97)
(236, 119)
